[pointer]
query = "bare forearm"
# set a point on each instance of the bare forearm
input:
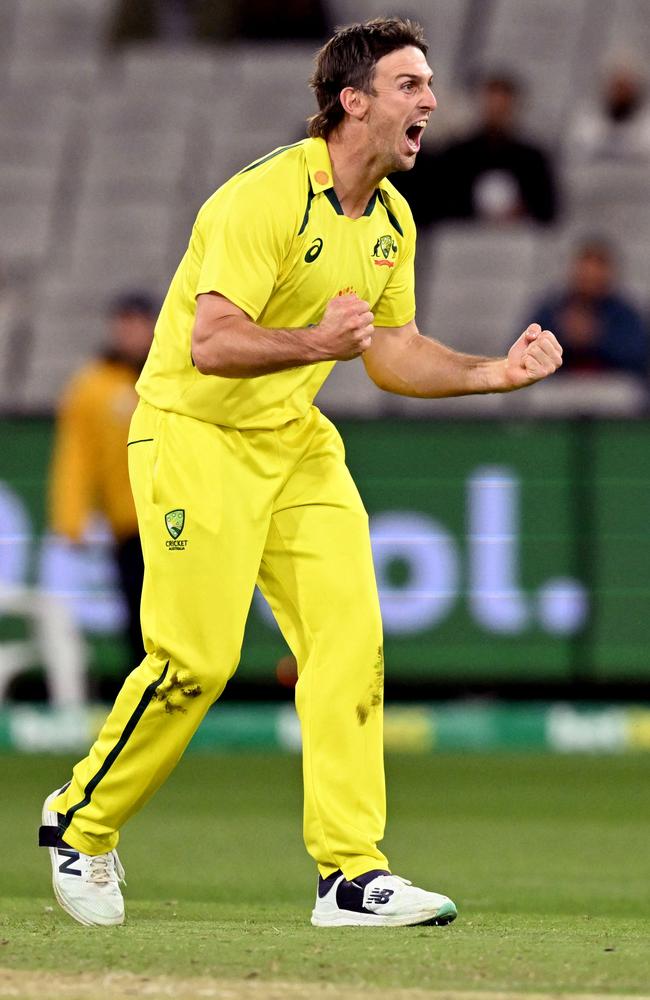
(426, 369)
(239, 348)
(226, 342)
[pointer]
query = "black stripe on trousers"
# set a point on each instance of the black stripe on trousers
(115, 752)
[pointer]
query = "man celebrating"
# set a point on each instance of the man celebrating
(302, 259)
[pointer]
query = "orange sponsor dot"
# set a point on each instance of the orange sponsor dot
(321, 177)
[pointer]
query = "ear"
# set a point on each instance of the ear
(354, 102)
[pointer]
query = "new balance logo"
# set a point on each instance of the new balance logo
(380, 895)
(66, 867)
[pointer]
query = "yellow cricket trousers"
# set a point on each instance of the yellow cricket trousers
(220, 510)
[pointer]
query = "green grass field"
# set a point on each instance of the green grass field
(547, 857)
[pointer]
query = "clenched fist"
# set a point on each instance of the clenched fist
(345, 330)
(534, 356)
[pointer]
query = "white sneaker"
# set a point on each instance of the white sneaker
(85, 885)
(377, 899)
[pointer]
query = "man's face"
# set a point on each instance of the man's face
(399, 107)
(593, 274)
(131, 334)
(623, 94)
(498, 107)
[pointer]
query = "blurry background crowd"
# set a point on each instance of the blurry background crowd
(118, 118)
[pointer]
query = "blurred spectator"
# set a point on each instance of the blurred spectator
(89, 471)
(618, 127)
(493, 174)
(179, 21)
(173, 21)
(292, 19)
(599, 329)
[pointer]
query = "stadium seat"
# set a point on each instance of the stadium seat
(7, 22)
(274, 91)
(66, 26)
(472, 285)
(120, 108)
(583, 396)
(348, 391)
(539, 41)
(610, 197)
(27, 203)
(443, 24)
(629, 30)
(71, 75)
(123, 166)
(160, 70)
(34, 127)
(479, 407)
(124, 243)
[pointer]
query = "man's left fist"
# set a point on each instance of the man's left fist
(534, 356)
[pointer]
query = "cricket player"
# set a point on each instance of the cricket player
(302, 259)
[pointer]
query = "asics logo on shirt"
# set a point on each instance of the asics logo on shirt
(314, 250)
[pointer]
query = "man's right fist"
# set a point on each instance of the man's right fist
(345, 330)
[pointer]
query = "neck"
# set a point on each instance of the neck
(355, 169)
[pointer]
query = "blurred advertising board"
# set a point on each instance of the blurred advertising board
(504, 552)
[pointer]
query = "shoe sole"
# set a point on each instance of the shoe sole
(63, 903)
(340, 918)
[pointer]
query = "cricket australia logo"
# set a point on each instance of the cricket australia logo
(383, 254)
(175, 522)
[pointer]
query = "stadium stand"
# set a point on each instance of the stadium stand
(473, 284)
(106, 156)
(444, 22)
(539, 41)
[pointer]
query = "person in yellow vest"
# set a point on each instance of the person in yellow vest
(302, 259)
(89, 471)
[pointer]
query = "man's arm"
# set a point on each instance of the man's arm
(404, 362)
(226, 342)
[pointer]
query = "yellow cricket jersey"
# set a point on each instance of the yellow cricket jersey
(274, 240)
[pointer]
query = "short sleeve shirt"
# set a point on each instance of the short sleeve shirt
(274, 240)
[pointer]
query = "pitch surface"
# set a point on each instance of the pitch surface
(546, 856)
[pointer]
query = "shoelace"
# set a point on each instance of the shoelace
(119, 870)
(104, 867)
(101, 868)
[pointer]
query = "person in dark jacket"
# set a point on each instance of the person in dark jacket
(600, 330)
(493, 174)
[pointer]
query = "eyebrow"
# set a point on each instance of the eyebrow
(414, 76)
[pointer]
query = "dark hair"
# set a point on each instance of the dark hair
(349, 60)
(133, 301)
(502, 80)
(595, 245)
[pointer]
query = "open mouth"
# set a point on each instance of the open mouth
(413, 134)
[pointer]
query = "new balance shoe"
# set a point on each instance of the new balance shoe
(85, 885)
(377, 899)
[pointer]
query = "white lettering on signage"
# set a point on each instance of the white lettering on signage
(436, 575)
(431, 555)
